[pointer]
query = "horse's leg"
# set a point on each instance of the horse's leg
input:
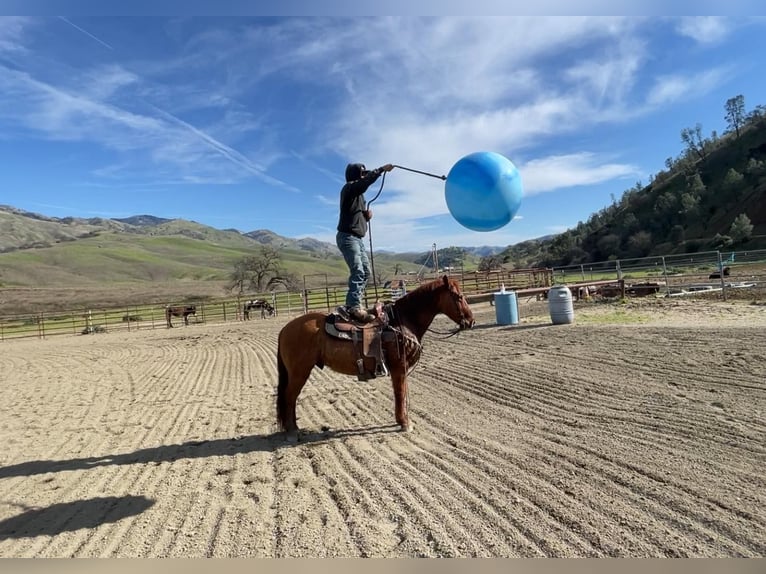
(399, 381)
(291, 381)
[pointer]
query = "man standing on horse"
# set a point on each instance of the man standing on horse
(352, 227)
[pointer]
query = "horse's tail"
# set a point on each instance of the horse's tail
(281, 390)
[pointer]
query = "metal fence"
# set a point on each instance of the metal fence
(677, 275)
(673, 275)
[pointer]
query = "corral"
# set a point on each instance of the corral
(638, 430)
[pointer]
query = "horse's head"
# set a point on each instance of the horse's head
(454, 305)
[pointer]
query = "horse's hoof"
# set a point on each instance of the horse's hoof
(291, 436)
(406, 428)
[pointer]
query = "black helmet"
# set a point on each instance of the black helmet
(355, 171)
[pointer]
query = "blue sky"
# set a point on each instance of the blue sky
(248, 122)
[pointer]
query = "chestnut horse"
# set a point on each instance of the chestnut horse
(304, 343)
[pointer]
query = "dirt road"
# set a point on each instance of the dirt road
(636, 431)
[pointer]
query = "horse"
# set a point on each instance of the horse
(265, 307)
(305, 342)
(180, 311)
(717, 274)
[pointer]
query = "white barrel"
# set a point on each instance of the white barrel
(560, 305)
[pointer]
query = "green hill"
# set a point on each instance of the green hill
(51, 262)
(711, 197)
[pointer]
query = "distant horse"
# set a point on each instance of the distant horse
(265, 307)
(180, 311)
(305, 342)
(717, 274)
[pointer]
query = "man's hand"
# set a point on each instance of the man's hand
(387, 167)
(367, 214)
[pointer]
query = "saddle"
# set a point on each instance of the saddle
(367, 338)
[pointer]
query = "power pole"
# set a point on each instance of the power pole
(436, 260)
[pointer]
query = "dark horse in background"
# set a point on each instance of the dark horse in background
(266, 308)
(180, 311)
(305, 343)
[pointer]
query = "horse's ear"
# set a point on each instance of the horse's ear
(446, 281)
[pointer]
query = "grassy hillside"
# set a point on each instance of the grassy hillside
(690, 206)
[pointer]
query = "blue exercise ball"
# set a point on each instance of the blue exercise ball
(483, 191)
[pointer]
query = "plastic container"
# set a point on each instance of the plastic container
(506, 308)
(560, 305)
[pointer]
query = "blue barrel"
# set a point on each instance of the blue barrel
(560, 305)
(506, 308)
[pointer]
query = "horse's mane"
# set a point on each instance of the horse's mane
(423, 294)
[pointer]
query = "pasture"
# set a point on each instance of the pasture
(638, 433)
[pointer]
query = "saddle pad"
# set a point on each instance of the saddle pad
(329, 327)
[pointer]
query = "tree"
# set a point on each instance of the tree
(735, 113)
(640, 243)
(754, 166)
(665, 204)
(239, 277)
(695, 185)
(721, 241)
(677, 234)
(490, 262)
(630, 222)
(609, 245)
(289, 281)
(695, 143)
(254, 271)
(690, 204)
(732, 181)
(450, 256)
(741, 228)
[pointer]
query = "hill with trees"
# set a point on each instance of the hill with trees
(711, 197)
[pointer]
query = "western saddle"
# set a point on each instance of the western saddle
(367, 338)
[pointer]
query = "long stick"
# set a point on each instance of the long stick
(442, 177)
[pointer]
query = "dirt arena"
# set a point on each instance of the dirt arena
(637, 431)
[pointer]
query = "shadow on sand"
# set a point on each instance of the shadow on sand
(71, 516)
(190, 449)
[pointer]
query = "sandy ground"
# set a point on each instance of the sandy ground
(639, 430)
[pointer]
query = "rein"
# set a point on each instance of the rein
(457, 299)
(447, 334)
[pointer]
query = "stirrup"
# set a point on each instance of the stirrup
(381, 370)
(362, 374)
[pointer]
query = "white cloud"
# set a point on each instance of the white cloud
(12, 30)
(572, 170)
(674, 88)
(704, 29)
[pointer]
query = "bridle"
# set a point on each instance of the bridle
(458, 299)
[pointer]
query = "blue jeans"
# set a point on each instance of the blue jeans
(352, 248)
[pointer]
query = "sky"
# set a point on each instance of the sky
(248, 121)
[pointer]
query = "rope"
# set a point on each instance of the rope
(369, 233)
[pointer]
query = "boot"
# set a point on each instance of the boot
(360, 314)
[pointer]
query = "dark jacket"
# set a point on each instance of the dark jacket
(352, 204)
